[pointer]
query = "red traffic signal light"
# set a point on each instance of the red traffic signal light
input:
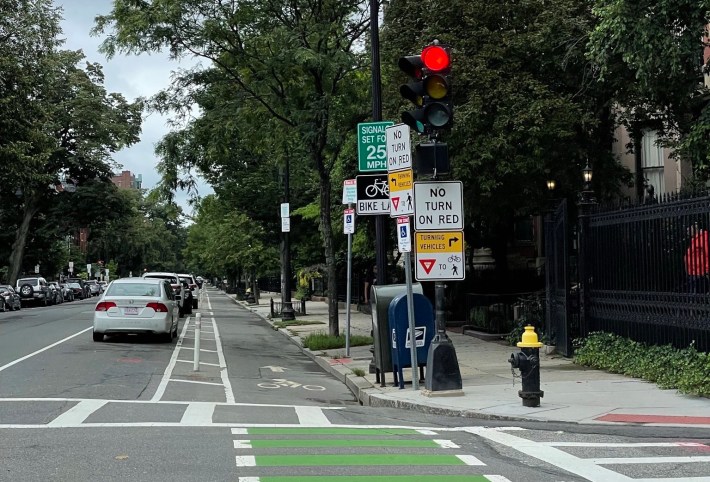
(429, 90)
(436, 58)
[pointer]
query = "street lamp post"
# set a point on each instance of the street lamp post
(287, 312)
(586, 200)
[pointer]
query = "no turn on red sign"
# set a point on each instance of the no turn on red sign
(439, 256)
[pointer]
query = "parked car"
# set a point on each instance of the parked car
(33, 289)
(137, 305)
(67, 292)
(9, 299)
(84, 286)
(177, 285)
(193, 288)
(55, 293)
(94, 288)
(77, 290)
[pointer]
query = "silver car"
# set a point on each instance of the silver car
(137, 305)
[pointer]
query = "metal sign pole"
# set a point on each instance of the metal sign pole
(348, 292)
(410, 315)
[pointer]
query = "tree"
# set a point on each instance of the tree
(61, 120)
(294, 62)
(650, 53)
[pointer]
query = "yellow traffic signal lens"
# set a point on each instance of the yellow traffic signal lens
(436, 87)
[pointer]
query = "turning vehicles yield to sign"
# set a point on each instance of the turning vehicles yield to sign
(440, 256)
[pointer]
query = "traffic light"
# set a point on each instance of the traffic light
(429, 90)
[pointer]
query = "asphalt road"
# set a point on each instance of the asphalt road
(133, 408)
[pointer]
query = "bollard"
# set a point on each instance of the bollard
(196, 358)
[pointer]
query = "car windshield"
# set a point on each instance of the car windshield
(134, 289)
(31, 281)
(74, 285)
(163, 276)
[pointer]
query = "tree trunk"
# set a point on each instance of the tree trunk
(18, 247)
(327, 234)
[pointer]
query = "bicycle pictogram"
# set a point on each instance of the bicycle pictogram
(380, 186)
(454, 259)
(283, 383)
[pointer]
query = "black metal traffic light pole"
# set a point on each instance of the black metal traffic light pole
(287, 312)
(381, 220)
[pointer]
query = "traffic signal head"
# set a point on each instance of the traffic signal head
(429, 90)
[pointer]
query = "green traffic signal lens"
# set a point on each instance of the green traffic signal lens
(438, 114)
(436, 87)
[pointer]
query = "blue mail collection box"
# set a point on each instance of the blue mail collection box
(399, 332)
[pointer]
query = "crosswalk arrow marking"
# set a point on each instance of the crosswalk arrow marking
(427, 264)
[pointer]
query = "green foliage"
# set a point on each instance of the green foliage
(358, 372)
(687, 370)
(322, 341)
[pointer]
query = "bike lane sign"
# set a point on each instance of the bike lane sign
(439, 256)
(373, 195)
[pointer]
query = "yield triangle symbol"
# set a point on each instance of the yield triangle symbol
(427, 264)
(395, 202)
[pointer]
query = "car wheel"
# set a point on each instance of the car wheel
(188, 309)
(26, 290)
(46, 301)
(181, 313)
(2, 307)
(195, 304)
(98, 336)
(175, 331)
(167, 337)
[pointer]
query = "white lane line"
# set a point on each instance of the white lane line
(246, 461)
(209, 303)
(629, 444)
(201, 349)
(248, 479)
(497, 478)
(312, 416)
(239, 431)
(675, 479)
(585, 468)
(201, 363)
(446, 444)
(470, 460)
(196, 381)
(242, 444)
(78, 413)
(15, 362)
(427, 432)
(650, 460)
(228, 393)
(171, 365)
(198, 413)
(166, 402)
(202, 338)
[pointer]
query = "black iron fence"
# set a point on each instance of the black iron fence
(646, 272)
(299, 307)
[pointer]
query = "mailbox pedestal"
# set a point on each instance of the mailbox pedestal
(399, 333)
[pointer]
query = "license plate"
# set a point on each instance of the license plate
(130, 311)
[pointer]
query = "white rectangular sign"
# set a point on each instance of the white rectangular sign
(350, 191)
(285, 225)
(404, 235)
(399, 147)
(71, 265)
(88, 268)
(284, 210)
(438, 206)
(349, 221)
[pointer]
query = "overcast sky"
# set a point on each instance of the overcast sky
(132, 76)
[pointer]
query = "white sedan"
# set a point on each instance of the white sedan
(137, 305)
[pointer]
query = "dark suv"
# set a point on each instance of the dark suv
(34, 289)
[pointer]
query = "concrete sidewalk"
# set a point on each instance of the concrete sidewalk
(572, 393)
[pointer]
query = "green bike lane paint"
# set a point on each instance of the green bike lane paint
(346, 454)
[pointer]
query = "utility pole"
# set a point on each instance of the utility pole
(287, 312)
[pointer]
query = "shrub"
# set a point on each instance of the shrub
(686, 370)
(323, 341)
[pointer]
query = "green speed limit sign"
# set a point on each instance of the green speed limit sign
(372, 146)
